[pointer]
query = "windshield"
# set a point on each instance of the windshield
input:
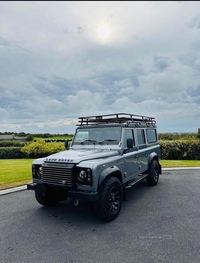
(103, 135)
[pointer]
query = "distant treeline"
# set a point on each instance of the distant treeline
(161, 136)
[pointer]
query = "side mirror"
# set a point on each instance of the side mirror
(66, 144)
(129, 143)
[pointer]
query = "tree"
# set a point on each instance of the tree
(198, 134)
(29, 138)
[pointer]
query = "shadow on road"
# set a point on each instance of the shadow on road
(84, 214)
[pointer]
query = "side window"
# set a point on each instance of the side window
(128, 134)
(140, 136)
(151, 135)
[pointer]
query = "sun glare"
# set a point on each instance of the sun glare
(103, 31)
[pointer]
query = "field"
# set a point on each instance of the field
(14, 172)
(179, 163)
(18, 171)
(57, 137)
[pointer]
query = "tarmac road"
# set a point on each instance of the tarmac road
(156, 224)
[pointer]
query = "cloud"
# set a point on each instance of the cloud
(55, 67)
(84, 102)
(161, 63)
(4, 114)
(195, 22)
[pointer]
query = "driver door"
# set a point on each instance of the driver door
(131, 163)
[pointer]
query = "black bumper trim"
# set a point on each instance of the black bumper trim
(86, 196)
(34, 186)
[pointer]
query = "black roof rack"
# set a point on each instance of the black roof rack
(116, 118)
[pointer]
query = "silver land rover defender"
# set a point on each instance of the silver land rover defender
(108, 154)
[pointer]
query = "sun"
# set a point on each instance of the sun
(103, 31)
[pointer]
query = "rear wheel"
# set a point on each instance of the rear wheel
(110, 199)
(153, 176)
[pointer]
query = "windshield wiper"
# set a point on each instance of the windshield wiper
(108, 140)
(93, 141)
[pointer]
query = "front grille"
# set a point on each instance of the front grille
(58, 175)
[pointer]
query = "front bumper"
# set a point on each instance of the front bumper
(36, 187)
(87, 196)
(75, 194)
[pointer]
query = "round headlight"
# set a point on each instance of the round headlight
(40, 172)
(82, 175)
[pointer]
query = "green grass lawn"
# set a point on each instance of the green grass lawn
(14, 172)
(18, 171)
(179, 163)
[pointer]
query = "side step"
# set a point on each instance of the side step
(139, 178)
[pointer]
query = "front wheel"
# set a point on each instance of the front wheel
(110, 199)
(153, 177)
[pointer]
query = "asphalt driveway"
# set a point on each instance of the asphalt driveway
(156, 224)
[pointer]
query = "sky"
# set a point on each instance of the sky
(62, 60)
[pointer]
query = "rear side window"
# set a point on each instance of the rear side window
(140, 136)
(151, 135)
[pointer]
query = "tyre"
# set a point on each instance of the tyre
(49, 198)
(153, 176)
(110, 199)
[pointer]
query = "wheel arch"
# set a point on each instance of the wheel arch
(109, 172)
(154, 156)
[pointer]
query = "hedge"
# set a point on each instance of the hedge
(11, 153)
(170, 150)
(12, 144)
(41, 149)
(180, 150)
(177, 136)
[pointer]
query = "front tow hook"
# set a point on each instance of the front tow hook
(76, 202)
